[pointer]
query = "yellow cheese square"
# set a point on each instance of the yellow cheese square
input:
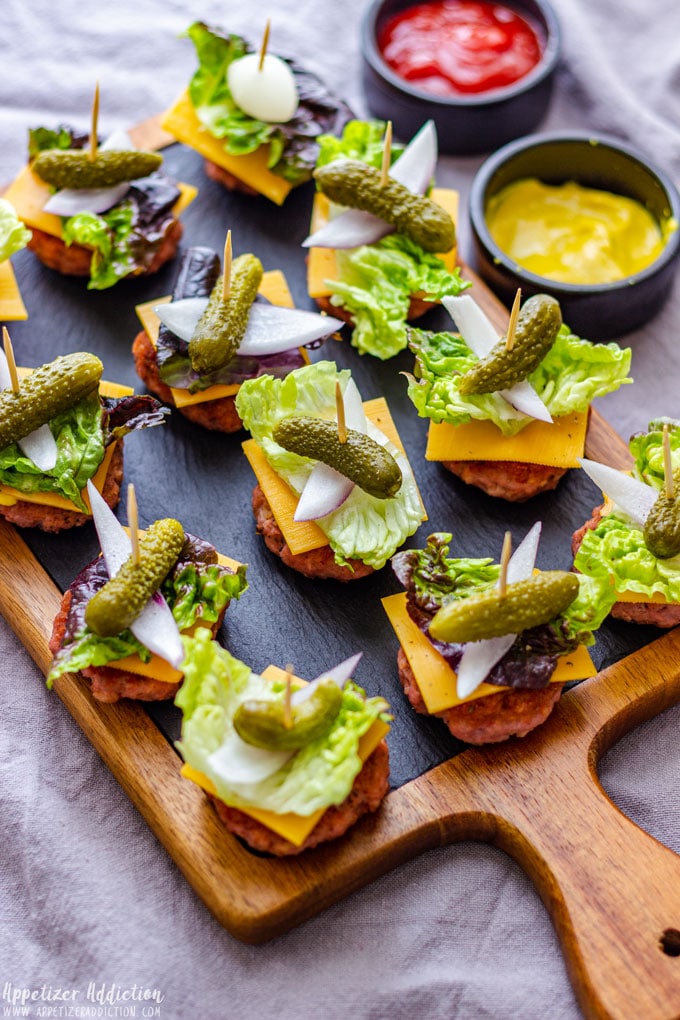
(435, 678)
(556, 445)
(303, 536)
(181, 121)
(274, 288)
(12, 306)
(321, 262)
(294, 828)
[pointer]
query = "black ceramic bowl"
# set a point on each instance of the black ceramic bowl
(599, 311)
(466, 124)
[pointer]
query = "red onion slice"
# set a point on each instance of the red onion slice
(238, 763)
(634, 497)
(524, 398)
(415, 167)
(339, 674)
(40, 446)
(325, 490)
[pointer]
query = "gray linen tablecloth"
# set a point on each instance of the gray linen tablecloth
(87, 893)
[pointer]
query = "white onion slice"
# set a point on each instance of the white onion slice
(524, 398)
(238, 763)
(155, 627)
(71, 201)
(40, 446)
(414, 168)
(634, 497)
(325, 490)
(479, 657)
(271, 329)
(355, 416)
(339, 674)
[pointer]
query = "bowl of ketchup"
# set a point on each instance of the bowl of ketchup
(483, 71)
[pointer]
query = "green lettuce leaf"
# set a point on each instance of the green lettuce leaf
(13, 234)
(109, 235)
(364, 527)
(360, 139)
(647, 449)
(375, 283)
(570, 376)
(316, 776)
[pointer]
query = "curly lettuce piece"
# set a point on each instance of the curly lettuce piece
(316, 776)
(364, 527)
(13, 234)
(571, 375)
(647, 449)
(197, 589)
(360, 139)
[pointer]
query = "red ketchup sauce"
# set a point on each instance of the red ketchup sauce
(453, 47)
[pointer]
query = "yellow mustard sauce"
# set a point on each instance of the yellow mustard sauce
(572, 233)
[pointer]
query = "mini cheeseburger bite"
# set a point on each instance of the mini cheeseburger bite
(488, 647)
(253, 116)
(13, 237)
(336, 496)
(122, 619)
(286, 765)
(510, 416)
(107, 212)
(219, 329)
(382, 247)
(632, 540)
(61, 427)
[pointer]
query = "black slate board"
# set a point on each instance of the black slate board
(204, 479)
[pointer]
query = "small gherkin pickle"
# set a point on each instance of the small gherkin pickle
(73, 168)
(538, 324)
(221, 328)
(661, 531)
(361, 459)
(120, 601)
(358, 185)
(47, 392)
(525, 604)
(263, 722)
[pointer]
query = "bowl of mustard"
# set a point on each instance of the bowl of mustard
(582, 217)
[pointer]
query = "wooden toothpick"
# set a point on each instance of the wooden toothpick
(133, 522)
(667, 463)
(505, 558)
(226, 278)
(265, 44)
(512, 324)
(93, 128)
(287, 709)
(340, 408)
(387, 154)
(11, 362)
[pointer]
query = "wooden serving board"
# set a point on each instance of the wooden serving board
(611, 890)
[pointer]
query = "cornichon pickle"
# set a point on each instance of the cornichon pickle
(221, 328)
(73, 168)
(537, 326)
(361, 459)
(525, 604)
(661, 531)
(353, 183)
(122, 598)
(263, 722)
(45, 393)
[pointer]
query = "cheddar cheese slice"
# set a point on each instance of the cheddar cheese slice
(182, 122)
(303, 536)
(28, 194)
(435, 678)
(12, 306)
(274, 288)
(294, 828)
(321, 262)
(556, 444)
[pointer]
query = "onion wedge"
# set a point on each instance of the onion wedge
(239, 763)
(271, 329)
(71, 201)
(414, 168)
(634, 497)
(155, 626)
(339, 674)
(40, 446)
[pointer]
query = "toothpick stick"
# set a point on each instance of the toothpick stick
(93, 128)
(505, 557)
(340, 407)
(512, 324)
(667, 463)
(265, 43)
(387, 154)
(133, 522)
(11, 361)
(226, 279)
(287, 710)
